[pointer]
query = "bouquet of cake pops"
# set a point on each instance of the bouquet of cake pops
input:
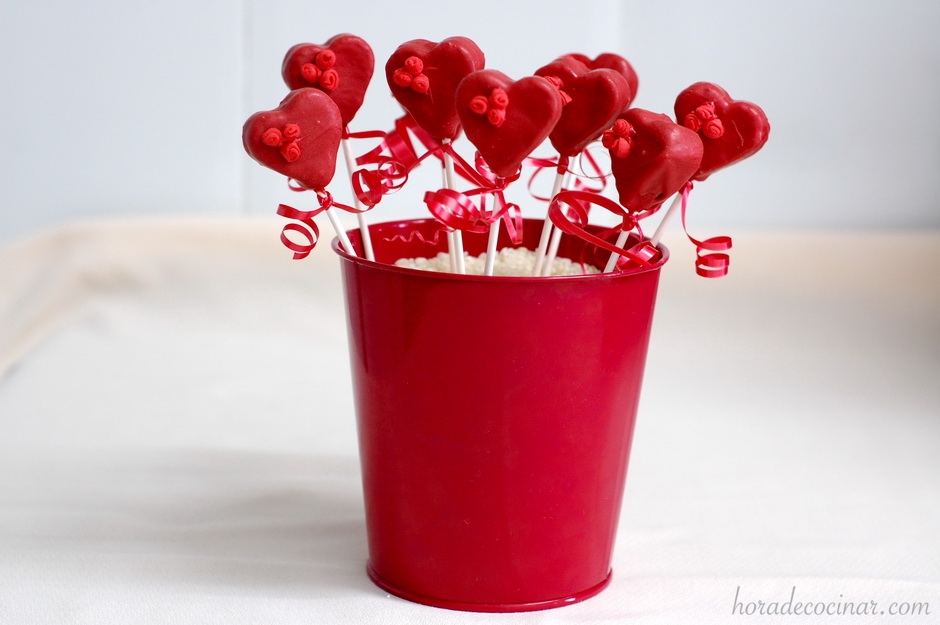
(582, 106)
(494, 453)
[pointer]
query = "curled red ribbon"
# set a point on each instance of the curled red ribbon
(396, 143)
(305, 226)
(414, 235)
(371, 185)
(396, 156)
(495, 185)
(326, 200)
(711, 261)
(569, 212)
(457, 211)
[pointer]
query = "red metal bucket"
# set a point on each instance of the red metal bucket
(495, 417)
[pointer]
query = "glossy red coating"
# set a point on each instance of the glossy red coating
(745, 128)
(532, 108)
(352, 64)
(300, 138)
(443, 65)
(495, 417)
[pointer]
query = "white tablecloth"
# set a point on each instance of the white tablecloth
(177, 440)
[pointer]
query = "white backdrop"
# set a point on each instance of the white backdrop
(111, 108)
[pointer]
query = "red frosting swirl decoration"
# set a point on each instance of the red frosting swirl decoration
(704, 121)
(321, 72)
(290, 151)
(411, 74)
(619, 139)
(494, 107)
(284, 138)
(558, 84)
(272, 137)
(329, 80)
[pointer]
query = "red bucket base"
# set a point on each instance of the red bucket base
(495, 417)
(487, 607)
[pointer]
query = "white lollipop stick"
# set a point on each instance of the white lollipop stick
(670, 213)
(552, 252)
(555, 242)
(450, 235)
(338, 227)
(491, 243)
(622, 239)
(547, 227)
(455, 238)
(361, 217)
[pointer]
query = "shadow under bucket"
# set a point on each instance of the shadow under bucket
(495, 417)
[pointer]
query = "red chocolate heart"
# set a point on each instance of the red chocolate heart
(423, 77)
(342, 68)
(609, 60)
(300, 138)
(731, 130)
(652, 157)
(507, 120)
(596, 98)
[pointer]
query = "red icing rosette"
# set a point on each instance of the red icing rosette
(731, 130)
(507, 120)
(300, 138)
(342, 68)
(595, 98)
(423, 77)
(609, 60)
(652, 158)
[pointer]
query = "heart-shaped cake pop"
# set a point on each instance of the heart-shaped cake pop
(652, 157)
(609, 60)
(342, 68)
(423, 77)
(595, 98)
(731, 130)
(300, 138)
(507, 120)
